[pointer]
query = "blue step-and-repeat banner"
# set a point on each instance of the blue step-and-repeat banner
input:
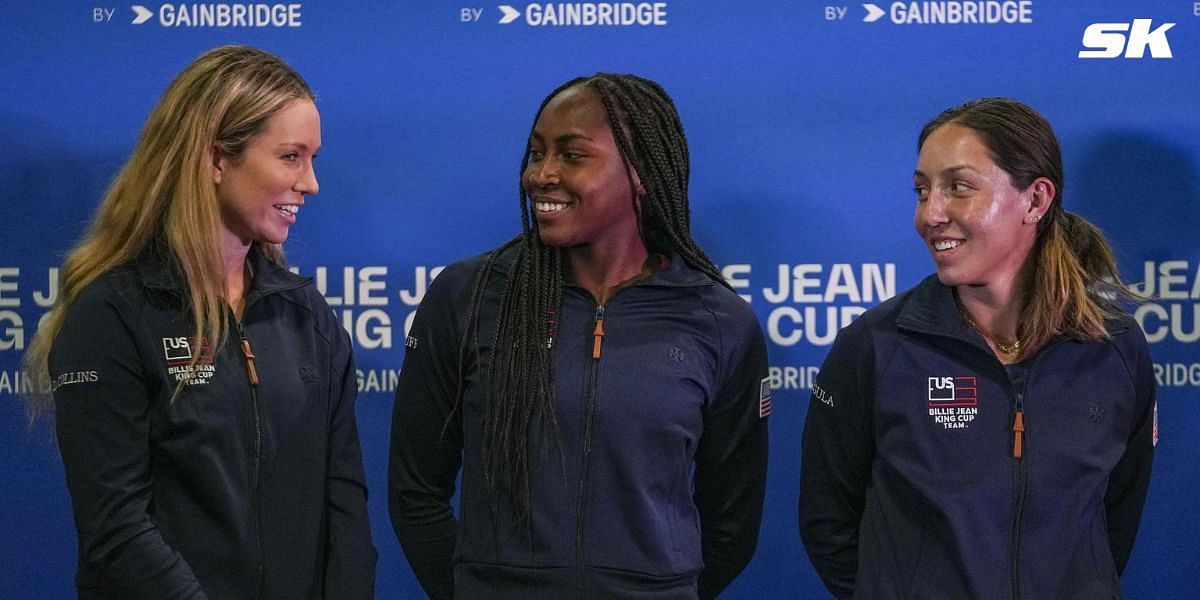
(802, 118)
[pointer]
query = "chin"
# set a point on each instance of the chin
(273, 238)
(949, 278)
(551, 240)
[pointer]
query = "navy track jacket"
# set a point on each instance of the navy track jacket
(231, 490)
(655, 487)
(911, 486)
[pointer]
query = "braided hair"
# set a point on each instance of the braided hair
(520, 386)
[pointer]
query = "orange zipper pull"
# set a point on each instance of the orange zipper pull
(251, 372)
(598, 333)
(1018, 434)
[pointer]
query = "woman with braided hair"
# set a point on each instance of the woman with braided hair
(601, 388)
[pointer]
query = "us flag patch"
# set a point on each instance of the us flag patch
(1154, 440)
(953, 401)
(764, 397)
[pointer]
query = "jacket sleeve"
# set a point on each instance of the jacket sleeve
(1130, 479)
(837, 453)
(426, 445)
(350, 555)
(102, 422)
(731, 465)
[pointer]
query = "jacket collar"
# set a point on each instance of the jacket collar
(931, 309)
(159, 269)
(675, 272)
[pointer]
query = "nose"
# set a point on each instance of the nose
(543, 173)
(307, 182)
(932, 212)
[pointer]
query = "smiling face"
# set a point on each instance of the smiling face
(261, 190)
(978, 227)
(576, 178)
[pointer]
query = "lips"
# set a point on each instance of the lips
(943, 245)
(548, 207)
(545, 205)
(288, 211)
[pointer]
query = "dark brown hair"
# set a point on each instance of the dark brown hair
(1073, 274)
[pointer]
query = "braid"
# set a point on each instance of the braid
(520, 385)
(650, 137)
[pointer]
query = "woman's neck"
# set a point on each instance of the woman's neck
(601, 271)
(236, 278)
(995, 311)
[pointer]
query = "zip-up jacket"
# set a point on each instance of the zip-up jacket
(249, 483)
(654, 487)
(931, 470)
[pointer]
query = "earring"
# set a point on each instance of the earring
(1033, 219)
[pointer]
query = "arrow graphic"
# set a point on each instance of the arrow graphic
(510, 14)
(873, 13)
(142, 15)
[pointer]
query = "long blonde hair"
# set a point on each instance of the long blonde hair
(1073, 276)
(165, 192)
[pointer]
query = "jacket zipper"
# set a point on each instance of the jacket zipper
(589, 408)
(598, 332)
(252, 376)
(1018, 452)
(1020, 466)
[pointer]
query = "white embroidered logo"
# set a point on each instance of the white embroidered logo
(178, 352)
(953, 401)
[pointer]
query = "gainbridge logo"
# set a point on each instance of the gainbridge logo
(576, 14)
(210, 15)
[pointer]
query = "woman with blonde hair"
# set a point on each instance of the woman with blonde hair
(203, 394)
(988, 433)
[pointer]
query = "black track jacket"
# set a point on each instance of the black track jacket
(911, 486)
(231, 490)
(654, 489)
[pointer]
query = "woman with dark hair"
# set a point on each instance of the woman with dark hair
(600, 386)
(988, 433)
(203, 394)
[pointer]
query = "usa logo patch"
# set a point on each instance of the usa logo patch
(953, 401)
(764, 397)
(178, 350)
(189, 360)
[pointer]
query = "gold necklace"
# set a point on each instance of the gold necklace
(1010, 350)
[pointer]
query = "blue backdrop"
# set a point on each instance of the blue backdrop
(802, 119)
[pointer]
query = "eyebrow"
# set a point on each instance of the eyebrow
(299, 145)
(562, 139)
(948, 170)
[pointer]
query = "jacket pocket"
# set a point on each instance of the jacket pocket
(1102, 560)
(894, 555)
